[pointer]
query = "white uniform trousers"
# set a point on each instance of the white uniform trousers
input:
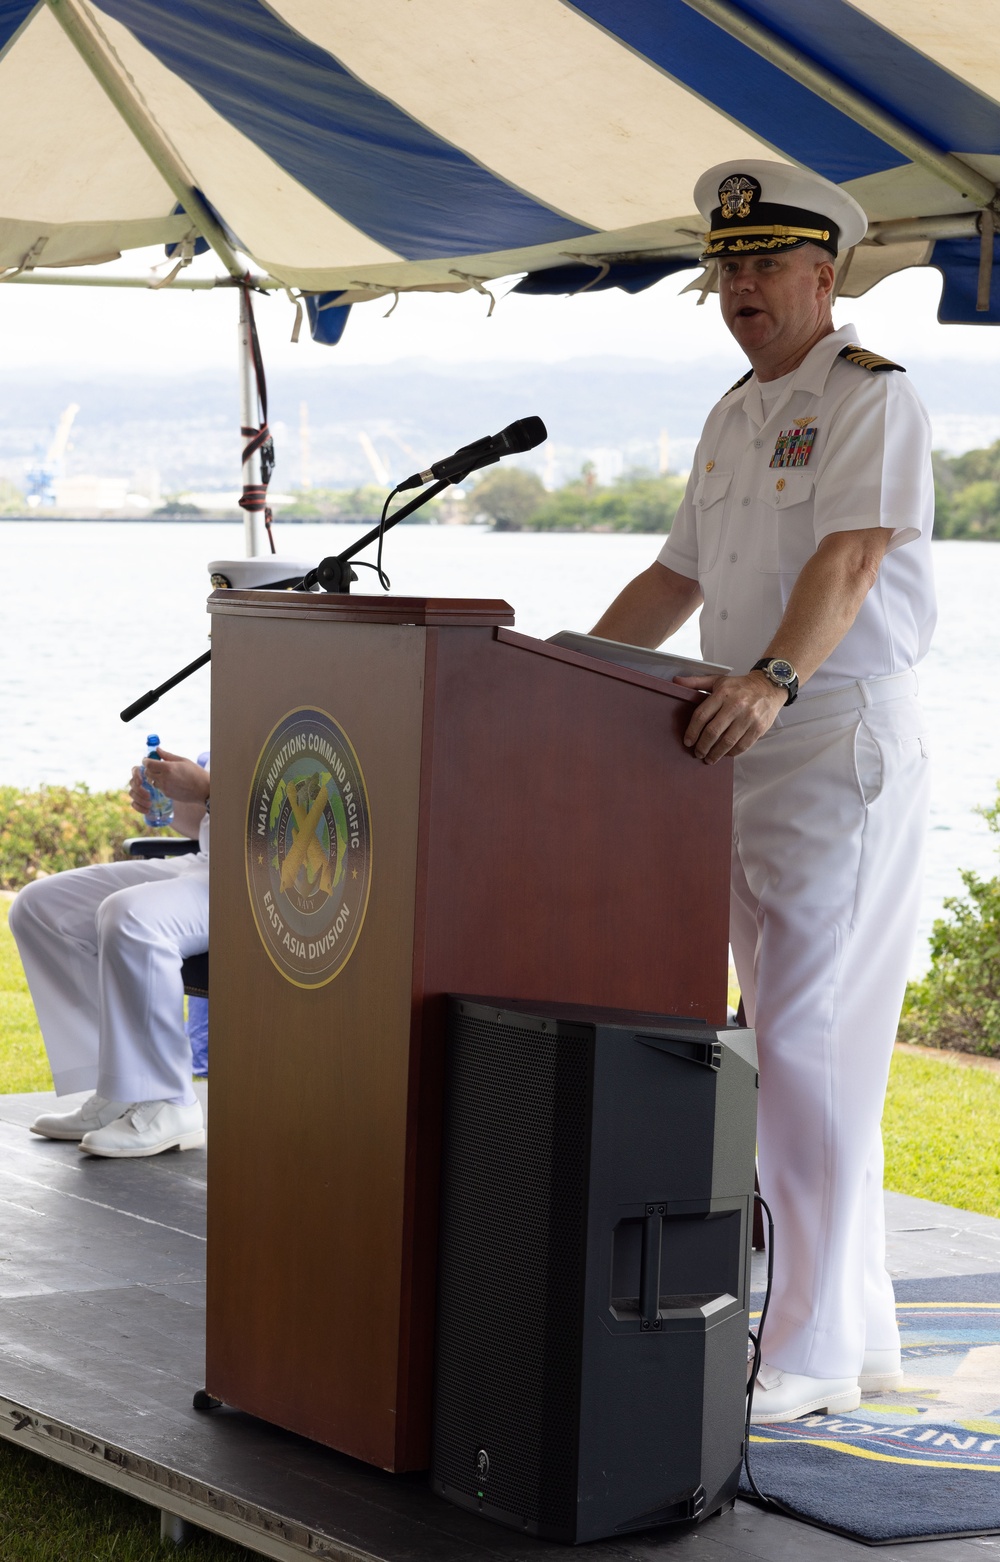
(102, 950)
(830, 815)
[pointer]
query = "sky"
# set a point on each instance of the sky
(98, 330)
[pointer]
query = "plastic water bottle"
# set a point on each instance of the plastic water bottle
(161, 808)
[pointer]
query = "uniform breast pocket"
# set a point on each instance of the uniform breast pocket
(785, 537)
(710, 508)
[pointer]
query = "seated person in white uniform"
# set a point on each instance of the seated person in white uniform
(102, 949)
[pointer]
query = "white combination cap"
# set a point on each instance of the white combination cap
(252, 574)
(757, 206)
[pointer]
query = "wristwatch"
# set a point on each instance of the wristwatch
(779, 672)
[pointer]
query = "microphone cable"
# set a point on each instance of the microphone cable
(755, 1342)
(383, 578)
(768, 1503)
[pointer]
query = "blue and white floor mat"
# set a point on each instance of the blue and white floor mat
(917, 1464)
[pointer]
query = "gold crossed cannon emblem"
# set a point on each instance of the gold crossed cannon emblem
(306, 850)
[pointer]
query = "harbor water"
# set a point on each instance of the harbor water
(97, 613)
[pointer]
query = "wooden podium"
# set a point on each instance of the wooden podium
(520, 821)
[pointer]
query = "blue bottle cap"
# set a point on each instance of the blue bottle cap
(153, 741)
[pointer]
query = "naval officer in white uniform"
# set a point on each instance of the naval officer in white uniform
(102, 950)
(804, 535)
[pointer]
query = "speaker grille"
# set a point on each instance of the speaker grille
(512, 1265)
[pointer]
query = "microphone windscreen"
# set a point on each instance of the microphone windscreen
(525, 434)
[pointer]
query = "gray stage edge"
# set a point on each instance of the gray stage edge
(102, 1347)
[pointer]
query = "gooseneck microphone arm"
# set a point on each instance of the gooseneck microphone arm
(152, 695)
(334, 574)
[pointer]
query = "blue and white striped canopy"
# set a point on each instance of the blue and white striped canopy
(443, 143)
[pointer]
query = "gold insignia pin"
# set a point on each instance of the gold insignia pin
(804, 422)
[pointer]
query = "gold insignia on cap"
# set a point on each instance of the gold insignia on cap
(780, 238)
(736, 194)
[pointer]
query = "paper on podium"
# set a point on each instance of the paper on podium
(659, 664)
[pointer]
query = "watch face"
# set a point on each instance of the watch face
(782, 672)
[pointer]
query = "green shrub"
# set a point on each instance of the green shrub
(61, 827)
(957, 1004)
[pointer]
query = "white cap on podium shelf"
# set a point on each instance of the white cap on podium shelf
(248, 574)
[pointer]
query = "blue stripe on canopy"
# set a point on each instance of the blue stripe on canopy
(349, 146)
(893, 75)
(629, 275)
(12, 14)
(958, 262)
(754, 93)
(327, 318)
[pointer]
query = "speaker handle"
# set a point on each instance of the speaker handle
(649, 1272)
(707, 1053)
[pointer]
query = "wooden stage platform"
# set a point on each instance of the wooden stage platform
(102, 1344)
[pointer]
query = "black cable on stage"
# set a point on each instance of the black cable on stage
(769, 1504)
(755, 1342)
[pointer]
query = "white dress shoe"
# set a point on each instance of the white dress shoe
(94, 1113)
(784, 1396)
(147, 1128)
(881, 1370)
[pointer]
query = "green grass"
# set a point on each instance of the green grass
(941, 1128)
(23, 1064)
(51, 1514)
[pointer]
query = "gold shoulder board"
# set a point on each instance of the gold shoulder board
(741, 381)
(863, 359)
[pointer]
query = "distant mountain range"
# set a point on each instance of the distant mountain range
(617, 412)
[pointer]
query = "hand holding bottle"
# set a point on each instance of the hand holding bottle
(183, 780)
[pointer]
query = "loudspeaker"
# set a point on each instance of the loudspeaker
(597, 1205)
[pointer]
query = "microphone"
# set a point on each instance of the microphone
(525, 434)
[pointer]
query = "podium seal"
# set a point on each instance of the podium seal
(308, 847)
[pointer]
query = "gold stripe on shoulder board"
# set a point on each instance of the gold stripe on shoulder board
(863, 359)
(741, 381)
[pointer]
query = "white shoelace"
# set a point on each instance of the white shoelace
(141, 1113)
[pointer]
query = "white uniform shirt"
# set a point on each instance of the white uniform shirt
(745, 528)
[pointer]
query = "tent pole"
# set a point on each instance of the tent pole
(83, 31)
(770, 46)
(253, 520)
(150, 284)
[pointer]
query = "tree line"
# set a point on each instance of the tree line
(967, 494)
(638, 501)
(966, 487)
